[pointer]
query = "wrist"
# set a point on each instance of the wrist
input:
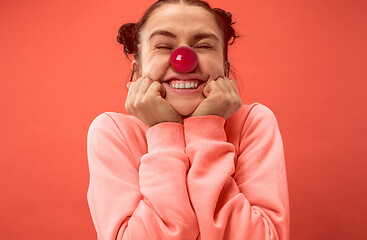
(177, 121)
(205, 127)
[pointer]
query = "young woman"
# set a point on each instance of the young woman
(191, 161)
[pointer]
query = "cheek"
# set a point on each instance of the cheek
(155, 66)
(212, 65)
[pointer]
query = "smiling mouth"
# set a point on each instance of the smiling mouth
(184, 84)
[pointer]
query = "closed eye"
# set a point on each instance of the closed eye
(205, 46)
(163, 46)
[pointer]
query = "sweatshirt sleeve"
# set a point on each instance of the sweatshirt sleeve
(243, 200)
(148, 201)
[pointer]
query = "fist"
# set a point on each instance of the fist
(221, 98)
(145, 100)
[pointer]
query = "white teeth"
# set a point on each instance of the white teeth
(186, 85)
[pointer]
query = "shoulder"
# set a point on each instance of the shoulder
(260, 113)
(253, 111)
(249, 117)
(115, 123)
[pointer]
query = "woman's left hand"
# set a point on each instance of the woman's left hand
(222, 99)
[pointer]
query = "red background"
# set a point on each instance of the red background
(61, 67)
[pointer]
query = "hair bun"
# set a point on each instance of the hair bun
(126, 36)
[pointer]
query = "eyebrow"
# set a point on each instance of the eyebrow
(199, 36)
(196, 37)
(164, 33)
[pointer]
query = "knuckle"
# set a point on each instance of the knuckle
(144, 102)
(138, 105)
(132, 84)
(213, 84)
(239, 103)
(146, 81)
(139, 81)
(128, 108)
(127, 103)
(155, 84)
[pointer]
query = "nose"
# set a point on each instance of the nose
(184, 59)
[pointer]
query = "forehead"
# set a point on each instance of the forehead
(182, 20)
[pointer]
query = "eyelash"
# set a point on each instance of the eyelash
(163, 47)
(205, 46)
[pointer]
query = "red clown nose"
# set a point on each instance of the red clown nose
(184, 59)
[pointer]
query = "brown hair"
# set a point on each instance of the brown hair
(129, 33)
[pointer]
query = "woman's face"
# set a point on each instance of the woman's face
(171, 26)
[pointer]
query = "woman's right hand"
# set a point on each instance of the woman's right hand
(144, 101)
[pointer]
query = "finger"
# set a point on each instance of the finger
(156, 89)
(133, 88)
(223, 83)
(235, 94)
(209, 87)
(233, 86)
(133, 92)
(144, 87)
(129, 92)
(232, 96)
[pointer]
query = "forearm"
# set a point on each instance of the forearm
(224, 209)
(165, 211)
(148, 201)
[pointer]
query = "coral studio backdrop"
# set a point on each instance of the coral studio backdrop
(61, 67)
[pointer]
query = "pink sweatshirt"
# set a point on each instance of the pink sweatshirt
(208, 178)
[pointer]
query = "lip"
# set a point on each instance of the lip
(198, 90)
(184, 77)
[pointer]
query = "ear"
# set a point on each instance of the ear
(135, 70)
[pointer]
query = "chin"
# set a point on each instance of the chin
(184, 112)
(185, 108)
